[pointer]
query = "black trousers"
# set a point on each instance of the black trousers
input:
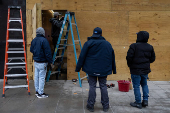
(55, 39)
(103, 89)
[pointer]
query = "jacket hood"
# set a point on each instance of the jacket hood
(142, 36)
(102, 38)
(40, 31)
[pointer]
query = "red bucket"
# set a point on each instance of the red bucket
(123, 85)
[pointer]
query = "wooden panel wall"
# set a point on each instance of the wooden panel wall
(120, 20)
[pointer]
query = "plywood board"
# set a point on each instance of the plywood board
(47, 4)
(157, 23)
(140, 5)
(28, 42)
(114, 25)
(30, 3)
(74, 5)
(36, 21)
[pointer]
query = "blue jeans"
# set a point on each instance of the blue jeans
(39, 76)
(103, 89)
(138, 80)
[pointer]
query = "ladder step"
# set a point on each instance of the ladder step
(76, 40)
(58, 56)
(54, 72)
(61, 47)
(14, 29)
(15, 51)
(17, 86)
(63, 39)
(15, 48)
(17, 63)
(14, 7)
(14, 20)
(16, 58)
(15, 40)
(73, 24)
(16, 67)
(15, 75)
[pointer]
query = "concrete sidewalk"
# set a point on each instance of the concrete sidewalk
(66, 97)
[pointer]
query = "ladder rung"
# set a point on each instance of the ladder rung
(54, 72)
(15, 51)
(17, 63)
(14, 29)
(16, 58)
(14, 20)
(61, 47)
(15, 7)
(83, 77)
(73, 23)
(17, 86)
(15, 75)
(16, 67)
(76, 40)
(63, 39)
(15, 40)
(15, 48)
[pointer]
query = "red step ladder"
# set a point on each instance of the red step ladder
(10, 62)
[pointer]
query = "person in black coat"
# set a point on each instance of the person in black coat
(139, 57)
(56, 27)
(97, 59)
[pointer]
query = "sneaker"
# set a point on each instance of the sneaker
(36, 94)
(145, 103)
(138, 105)
(42, 95)
(105, 109)
(91, 109)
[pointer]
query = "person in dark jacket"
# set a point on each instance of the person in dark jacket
(97, 59)
(42, 56)
(56, 27)
(139, 57)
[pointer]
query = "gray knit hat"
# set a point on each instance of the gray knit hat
(40, 31)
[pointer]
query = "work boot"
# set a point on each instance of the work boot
(145, 103)
(138, 105)
(91, 109)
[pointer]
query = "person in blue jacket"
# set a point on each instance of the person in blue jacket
(42, 56)
(97, 59)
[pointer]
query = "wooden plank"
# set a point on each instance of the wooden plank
(36, 18)
(47, 4)
(28, 42)
(30, 3)
(101, 5)
(157, 23)
(36, 21)
(140, 5)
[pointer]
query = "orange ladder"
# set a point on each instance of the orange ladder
(10, 62)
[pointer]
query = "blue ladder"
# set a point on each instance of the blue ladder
(69, 15)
